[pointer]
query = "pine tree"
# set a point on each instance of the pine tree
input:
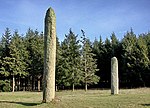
(35, 46)
(129, 46)
(5, 53)
(71, 60)
(146, 75)
(59, 62)
(114, 44)
(106, 63)
(141, 61)
(89, 66)
(64, 65)
(98, 50)
(6, 38)
(18, 56)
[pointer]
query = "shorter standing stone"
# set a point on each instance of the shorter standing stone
(114, 76)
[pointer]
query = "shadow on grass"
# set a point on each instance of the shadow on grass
(22, 103)
(145, 104)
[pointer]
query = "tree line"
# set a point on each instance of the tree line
(80, 63)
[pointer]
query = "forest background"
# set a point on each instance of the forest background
(80, 62)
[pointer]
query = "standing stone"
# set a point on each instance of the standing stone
(114, 76)
(49, 56)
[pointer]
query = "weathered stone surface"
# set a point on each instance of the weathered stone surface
(49, 56)
(114, 76)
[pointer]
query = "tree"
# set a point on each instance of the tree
(105, 70)
(6, 38)
(89, 66)
(35, 46)
(129, 47)
(141, 62)
(71, 60)
(59, 61)
(5, 54)
(146, 38)
(114, 44)
(18, 56)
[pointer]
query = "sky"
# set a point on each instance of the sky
(96, 17)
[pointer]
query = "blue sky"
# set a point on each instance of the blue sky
(95, 17)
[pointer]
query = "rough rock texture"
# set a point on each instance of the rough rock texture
(114, 76)
(49, 56)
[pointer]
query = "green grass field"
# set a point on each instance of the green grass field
(128, 98)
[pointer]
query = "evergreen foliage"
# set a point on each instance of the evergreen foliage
(5, 53)
(89, 66)
(79, 62)
(71, 60)
(5, 86)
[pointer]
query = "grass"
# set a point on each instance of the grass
(128, 98)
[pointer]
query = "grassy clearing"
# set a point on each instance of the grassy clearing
(128, 98)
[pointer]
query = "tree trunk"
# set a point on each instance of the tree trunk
(30, 83)
(13, 84)
(19, 83)
(39, 83)
(33, 83)
(85, 86)
(49, 56)
(56, 88)
(73, 87)
(24, 85)
(85, 80)
(143, 82)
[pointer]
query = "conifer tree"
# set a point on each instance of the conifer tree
(114, 44)
(129, 46)
(18, 56)
(35, 46)
(141, 62)
(89, 66)
(146, 38)
(71, 59)
(5, 53)
(59, 62)
(105, 67)
(98, 50)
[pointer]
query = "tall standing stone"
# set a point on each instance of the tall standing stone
(49, 56)
(114, 76)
